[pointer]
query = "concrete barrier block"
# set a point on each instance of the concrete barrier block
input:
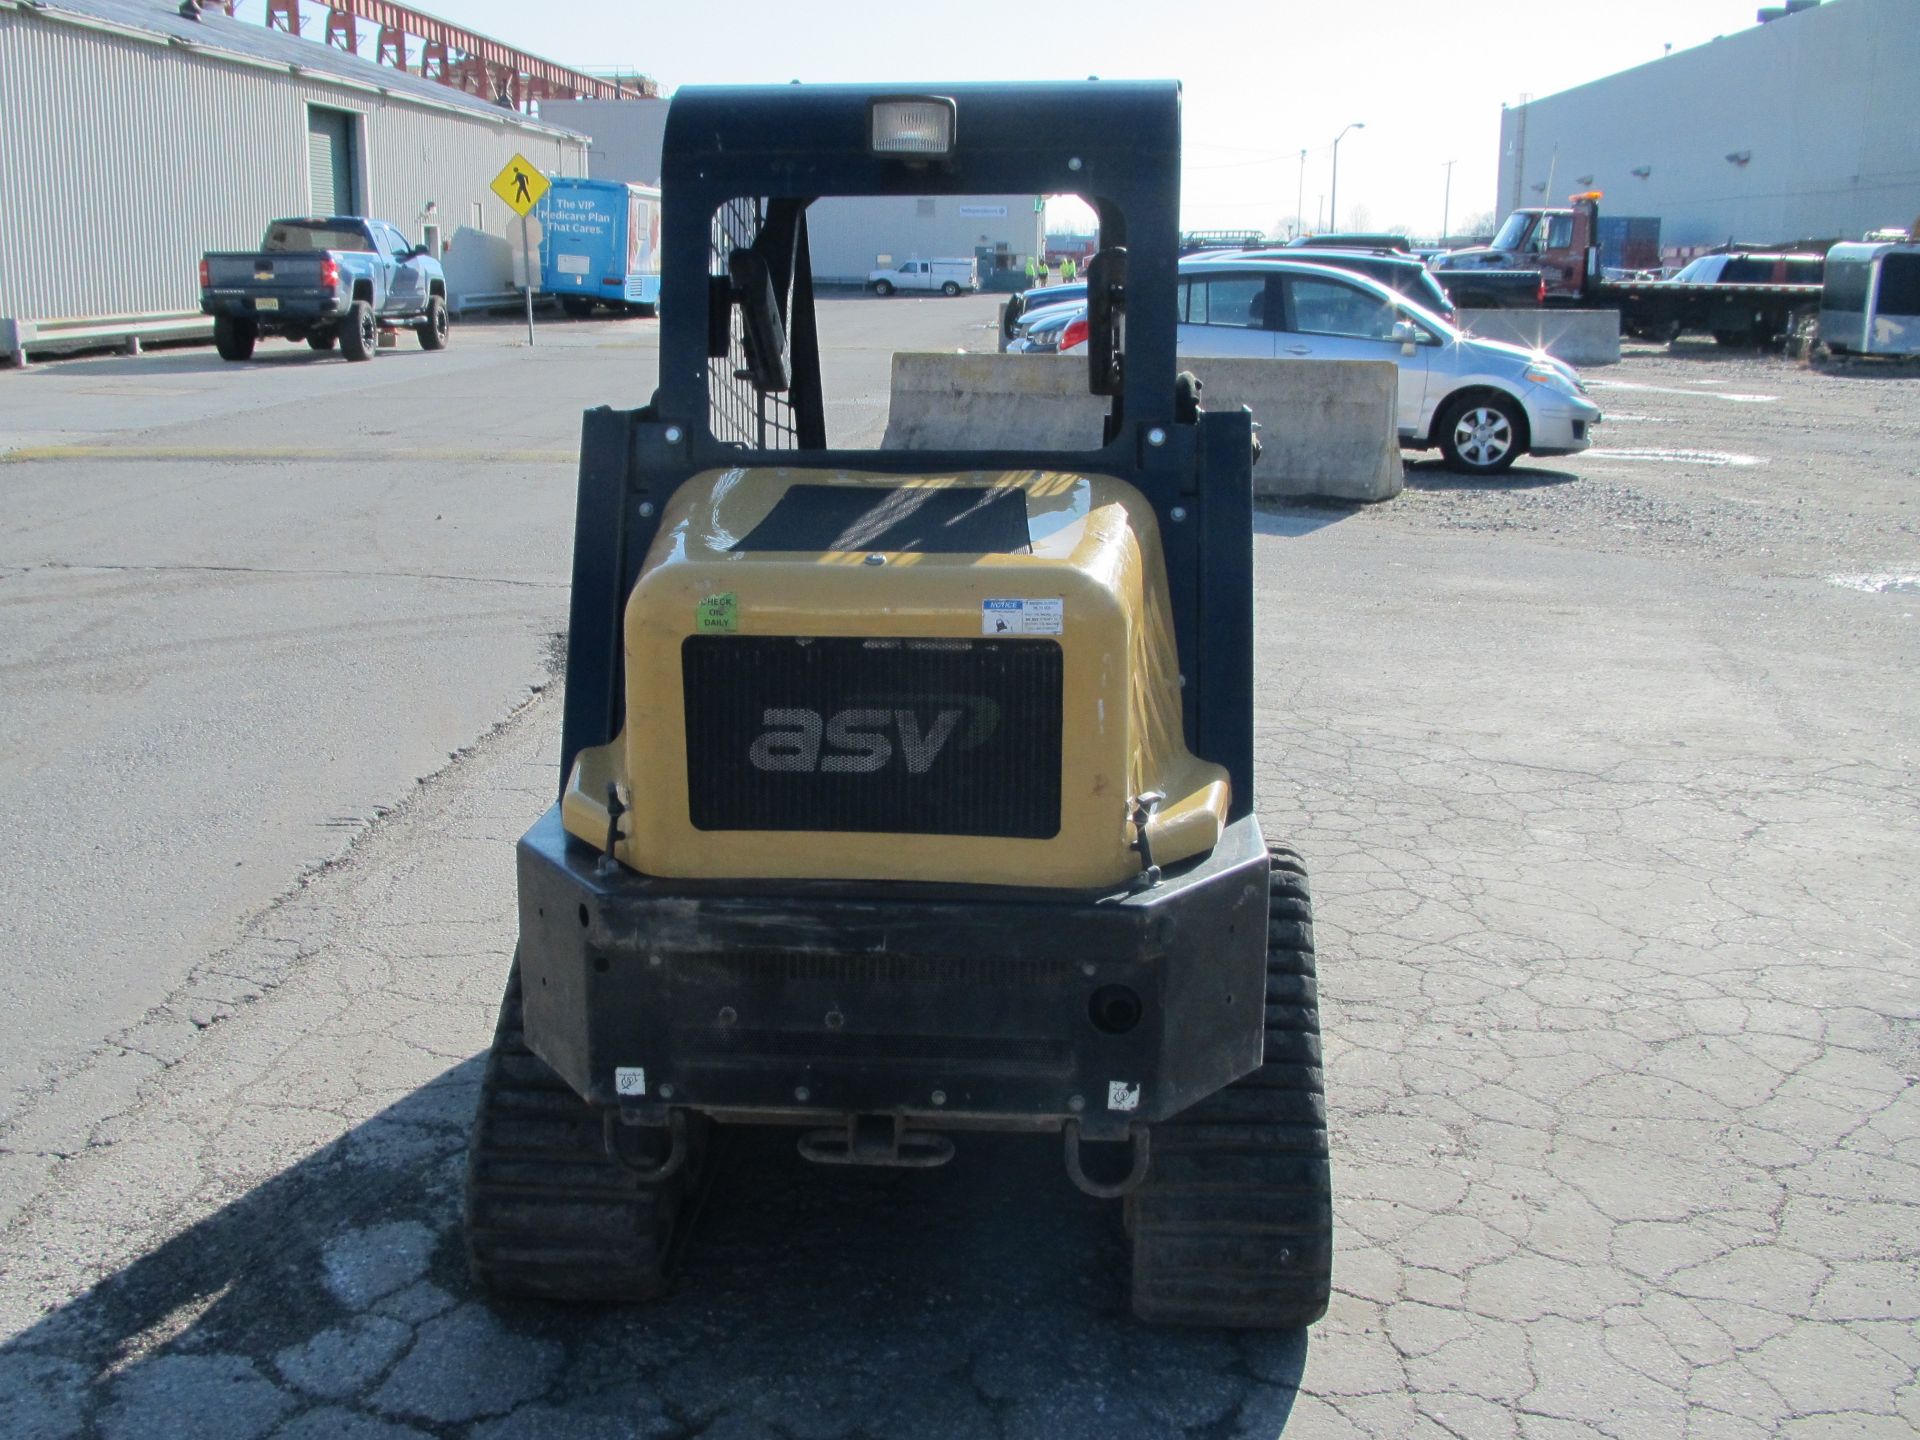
(1579, 337)
(1328, 428)
(971, 402)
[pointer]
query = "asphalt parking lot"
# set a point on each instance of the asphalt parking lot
(1606, 772)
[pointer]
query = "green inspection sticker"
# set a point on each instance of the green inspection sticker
(717, 614)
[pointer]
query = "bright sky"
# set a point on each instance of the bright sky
(1263, 81)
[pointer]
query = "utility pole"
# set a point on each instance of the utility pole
(1446, 205)
(1300, 198)
(1334, 186)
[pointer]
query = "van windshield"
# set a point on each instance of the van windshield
(1846, 290)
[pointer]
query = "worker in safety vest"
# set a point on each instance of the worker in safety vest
(1031, 272)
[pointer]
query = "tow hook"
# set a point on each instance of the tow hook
(877, 1140)
(1137, 1173)
(647, 1171)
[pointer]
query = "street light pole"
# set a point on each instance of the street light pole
(1300, 197)
(1446, 205)
(1333, 190)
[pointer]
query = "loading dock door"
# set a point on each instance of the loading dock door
(330, 158)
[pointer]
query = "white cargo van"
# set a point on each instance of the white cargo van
(949, 277)
(1871, 304)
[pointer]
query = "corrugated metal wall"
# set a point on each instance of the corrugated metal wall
(122, 161)
(1822, 108)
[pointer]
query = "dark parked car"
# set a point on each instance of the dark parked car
(1396, 271)
(1752, 267)
(1352, 240)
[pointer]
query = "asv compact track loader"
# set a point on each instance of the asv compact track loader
(906, 794)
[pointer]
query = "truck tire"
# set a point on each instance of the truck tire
(322, 340)
(1233, 1225)
(1482, 434)
(949, 289)
(883, 288)
(359, 333)
(433, 329)
(549, 1215)
(234, 337)
(578, 306)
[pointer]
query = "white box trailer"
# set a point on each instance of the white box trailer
(946, 277)
(1870, 299)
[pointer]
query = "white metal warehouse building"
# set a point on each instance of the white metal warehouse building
(1805, 127)
(133, 138)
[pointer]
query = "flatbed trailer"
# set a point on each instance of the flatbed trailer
(1563, 245)
(1735, 314)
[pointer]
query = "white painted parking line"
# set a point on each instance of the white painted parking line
(1654, 455)
(1737, 397)
(1878, 584)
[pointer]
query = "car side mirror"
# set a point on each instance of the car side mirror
(1408, 334)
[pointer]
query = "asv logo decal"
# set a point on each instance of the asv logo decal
(851, 742)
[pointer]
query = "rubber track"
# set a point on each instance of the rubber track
(548, 1215)
(1234, 1225)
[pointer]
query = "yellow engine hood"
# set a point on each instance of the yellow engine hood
(1092, 581)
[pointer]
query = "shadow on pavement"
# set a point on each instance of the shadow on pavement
(1860, 367)
(1291, 519)
(201, 360)
(987, 1299)
(1698, 348)
(1434, 475)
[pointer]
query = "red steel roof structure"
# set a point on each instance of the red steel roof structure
(455, 56)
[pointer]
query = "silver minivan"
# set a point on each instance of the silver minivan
(1483, 403)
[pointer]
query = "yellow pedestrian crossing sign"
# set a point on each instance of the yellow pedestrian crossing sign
(520, 185)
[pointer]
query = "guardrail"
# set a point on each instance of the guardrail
(20, 338)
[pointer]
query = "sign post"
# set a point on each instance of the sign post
(526, 269)
(521, 186)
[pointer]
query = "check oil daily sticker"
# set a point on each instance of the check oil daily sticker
(1022, 617)
(717, 614)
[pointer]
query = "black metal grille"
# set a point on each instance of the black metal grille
(737, 414)
(894, 736)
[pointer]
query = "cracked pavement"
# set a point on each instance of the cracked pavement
(1612, 850)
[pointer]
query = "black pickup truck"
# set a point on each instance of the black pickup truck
(1493, 289)
(323, 279)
